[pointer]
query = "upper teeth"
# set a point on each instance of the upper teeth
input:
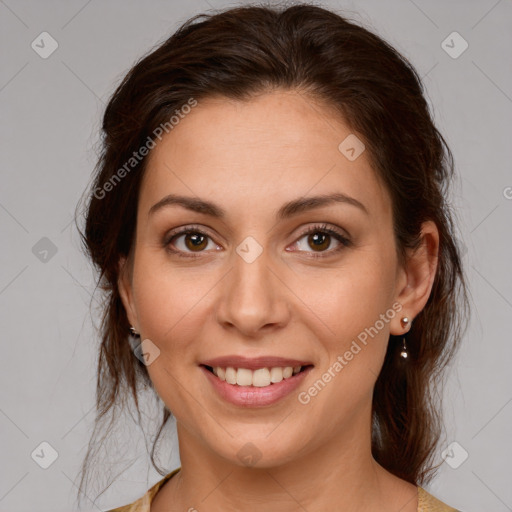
(259, 378)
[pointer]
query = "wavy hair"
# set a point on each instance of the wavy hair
(236, 54)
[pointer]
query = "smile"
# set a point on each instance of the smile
(261, 377)
(255, 388)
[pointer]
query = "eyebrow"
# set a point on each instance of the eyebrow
(286, 211)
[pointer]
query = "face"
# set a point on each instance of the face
(262, 279)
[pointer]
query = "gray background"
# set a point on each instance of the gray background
(50, 121)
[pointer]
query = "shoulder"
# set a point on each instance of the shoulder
(429, 503)
(143, 504)
(426, 502)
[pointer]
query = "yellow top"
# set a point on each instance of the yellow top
(426, 502)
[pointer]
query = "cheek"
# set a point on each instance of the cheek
(351, 298)
(166, 296)
(357, 310)
(355, 305)
(171, 308)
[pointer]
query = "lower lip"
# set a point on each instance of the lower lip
(252, 396)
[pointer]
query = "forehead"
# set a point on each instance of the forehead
(276, 147)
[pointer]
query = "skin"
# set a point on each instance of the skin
(250, 158)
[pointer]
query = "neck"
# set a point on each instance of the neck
(342, 472)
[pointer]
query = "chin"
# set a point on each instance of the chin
(257, 451)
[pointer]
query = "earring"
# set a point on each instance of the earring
(405, 322)
(134, 331)
(404, 353)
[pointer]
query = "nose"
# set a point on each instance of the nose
(253, 298)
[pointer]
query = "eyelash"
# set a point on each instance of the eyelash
(319, 228)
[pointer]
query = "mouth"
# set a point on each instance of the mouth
(260, 377)
(260, 387)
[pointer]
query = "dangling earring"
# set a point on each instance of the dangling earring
(403, 353)
(134, 331)
(405, 322)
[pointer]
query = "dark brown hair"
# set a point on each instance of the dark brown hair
(245, 51)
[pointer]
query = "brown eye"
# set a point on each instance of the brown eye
(319, 241)
(191, 242)
(195, 241)
(187, 242)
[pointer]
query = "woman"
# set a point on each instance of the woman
(269, 218)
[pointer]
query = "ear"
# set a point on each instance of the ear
(124, 284)
(416, 278)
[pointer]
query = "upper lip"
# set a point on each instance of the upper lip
(253, 363)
